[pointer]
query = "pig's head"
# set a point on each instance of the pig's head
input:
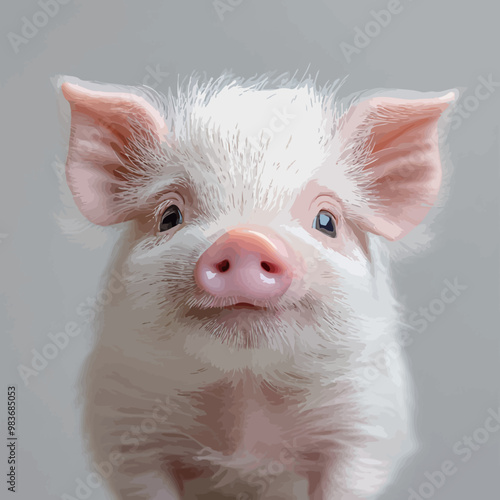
(253, 215)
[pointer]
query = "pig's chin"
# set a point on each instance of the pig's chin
(241, 325)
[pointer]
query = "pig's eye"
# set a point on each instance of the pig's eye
(325, 222)
(172, 217)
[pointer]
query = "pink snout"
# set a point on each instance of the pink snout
(245, 265)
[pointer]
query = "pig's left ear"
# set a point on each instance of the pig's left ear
(391, 148)
(104, 129)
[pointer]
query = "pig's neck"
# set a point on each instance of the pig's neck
(248, 405)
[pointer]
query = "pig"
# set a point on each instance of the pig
(251, 286)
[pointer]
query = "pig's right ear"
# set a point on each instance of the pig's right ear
(390, 153)
(103, 126)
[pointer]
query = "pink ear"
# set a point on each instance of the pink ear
(395, 144)
(103, 126)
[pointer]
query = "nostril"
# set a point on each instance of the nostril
(269, 267)
(222, 266)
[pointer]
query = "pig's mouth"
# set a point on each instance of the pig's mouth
(243, 305)
(234, 310)
(240, 313)
(240, 322)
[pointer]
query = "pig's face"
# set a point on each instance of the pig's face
(253, 211)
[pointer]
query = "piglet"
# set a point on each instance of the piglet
(251, 285)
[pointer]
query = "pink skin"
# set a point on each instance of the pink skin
(404, 160)
(245, 266)
(100, 120)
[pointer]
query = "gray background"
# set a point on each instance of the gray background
(45, 276)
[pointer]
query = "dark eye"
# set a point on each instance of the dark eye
(325, 222)
(172, 217)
